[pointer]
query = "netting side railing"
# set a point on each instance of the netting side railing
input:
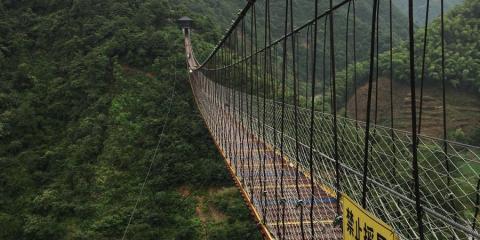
(449, 209)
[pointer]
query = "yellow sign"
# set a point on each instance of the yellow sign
(359, 224)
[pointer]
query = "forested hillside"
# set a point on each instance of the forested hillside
(87, 86)
(420, 6)
(224, 12)
(462, 68)
(85, 89)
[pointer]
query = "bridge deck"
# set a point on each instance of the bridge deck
(258, 168)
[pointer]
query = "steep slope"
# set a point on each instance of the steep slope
(223, 12)
(85, 88)
(462, 68)
(463, 111)
(420, 7)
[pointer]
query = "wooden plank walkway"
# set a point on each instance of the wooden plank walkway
(263, 184)
(278, 207)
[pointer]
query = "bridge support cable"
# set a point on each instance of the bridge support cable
(392, 133)
(249, 105)
(354, 39)
(225, 102)
(241, 109)
(324, 66)
(233, 131)
(238, 152)
(282, 126)
(266, 73)
(300, 202)
(312, 118)
(376, 50)
(307, 62)
(414, 140)
(369, 103)
(253, 92)
(334, 108)
(257, 69)
(215, 94)
(422, 75)
(230, 101)
(347, 59)
(448, 164)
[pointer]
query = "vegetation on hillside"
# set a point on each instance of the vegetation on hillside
(462, 66)
(419, 8)
(85, 89)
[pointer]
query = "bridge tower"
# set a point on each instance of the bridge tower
(185, 24)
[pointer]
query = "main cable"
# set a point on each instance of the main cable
(282, 126)
(415, 170)
(369, 103)
(312, 126)
(422, 78)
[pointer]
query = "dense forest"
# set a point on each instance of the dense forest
(85, 89)
(462, 68)
(419, 8)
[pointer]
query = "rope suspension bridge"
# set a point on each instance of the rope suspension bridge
(272, 107)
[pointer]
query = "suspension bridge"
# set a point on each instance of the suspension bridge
(310, 171)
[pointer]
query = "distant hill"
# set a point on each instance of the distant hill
(421, 5)
(462, 71)
(224, 12)
(463, 110)
(85, 88)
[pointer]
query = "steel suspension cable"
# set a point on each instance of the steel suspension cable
(444, 107)
(295, 103)
(250, 132)
(215, 92)
(275, 138)
(243, 83)
(424, 54)
(369, 103)
(450, 195)
(231, 102)
(376, 67)
(346, 60)
(312, 127)
(307, 63)
(259, 155)
(227, 104)
(324, 68)
(334, 108)
(392, 133)
(252, 81)
(267, 68)
(222, 97)
(236, 120)
(376, 79)
(415, 172)
(345, 127)
(282, 126)
(355, 67)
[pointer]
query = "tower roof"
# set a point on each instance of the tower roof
(184, 19)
